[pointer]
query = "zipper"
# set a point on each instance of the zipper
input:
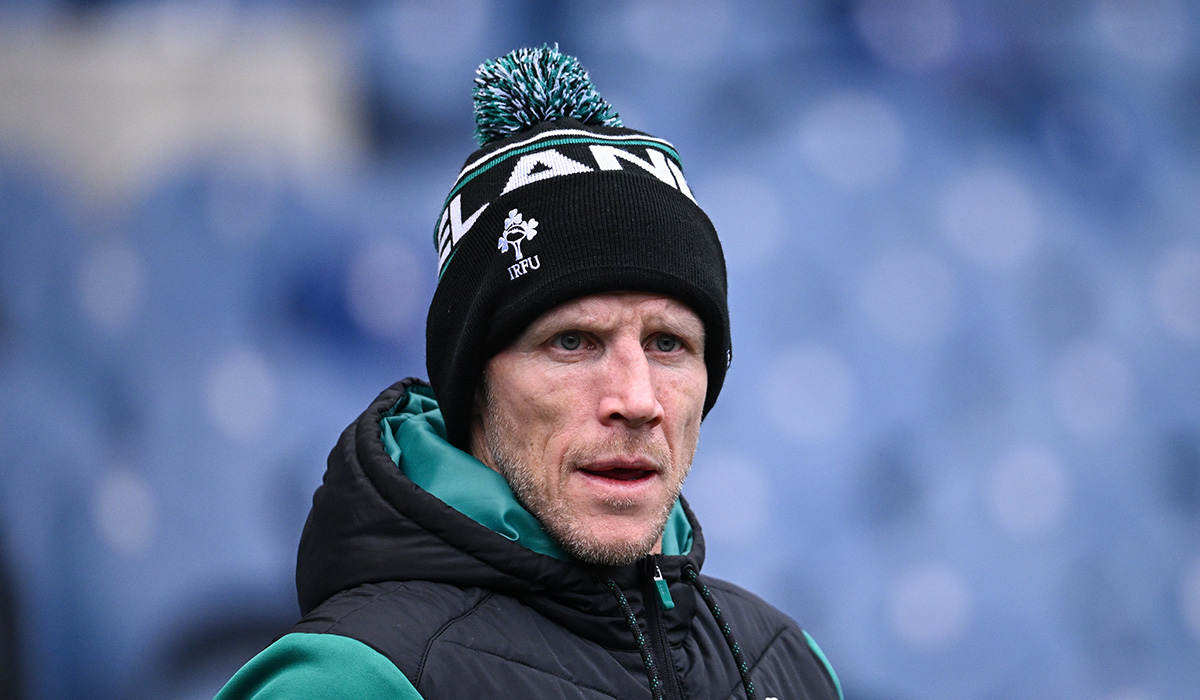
(657, 602)
(664, 591)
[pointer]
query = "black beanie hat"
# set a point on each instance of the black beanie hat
(560, 202)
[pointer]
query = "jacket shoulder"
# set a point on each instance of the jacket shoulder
(772, 641)
(399, 620)
(304, 666)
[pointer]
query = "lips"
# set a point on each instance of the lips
(621, 474)
(620, 471)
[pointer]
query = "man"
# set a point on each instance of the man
(522, 535)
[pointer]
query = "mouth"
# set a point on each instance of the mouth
(621, 470)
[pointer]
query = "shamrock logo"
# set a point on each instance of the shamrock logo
(516, 230)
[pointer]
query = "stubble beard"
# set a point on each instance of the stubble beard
(557, 516)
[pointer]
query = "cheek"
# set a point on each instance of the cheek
(546, 419)
(690, 386)
(567, 396)
(683, 397)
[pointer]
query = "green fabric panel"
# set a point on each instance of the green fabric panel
(414, 436)
(303, 666)
(677, 536)
(837, 684)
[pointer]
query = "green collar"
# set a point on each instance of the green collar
(414, 436)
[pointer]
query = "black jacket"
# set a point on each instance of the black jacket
(464, 612)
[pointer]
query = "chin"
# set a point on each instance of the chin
(603, 546)
(617, 554)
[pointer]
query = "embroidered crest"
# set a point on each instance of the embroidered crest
(516, 230)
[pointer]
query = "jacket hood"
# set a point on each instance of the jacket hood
(374, 521)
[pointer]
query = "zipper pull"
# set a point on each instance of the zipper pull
(664, 591)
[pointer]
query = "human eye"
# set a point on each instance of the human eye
(569, 340)
(665, 342)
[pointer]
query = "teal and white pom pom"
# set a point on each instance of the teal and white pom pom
(529, 86)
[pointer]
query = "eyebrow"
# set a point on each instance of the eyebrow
(687, 328)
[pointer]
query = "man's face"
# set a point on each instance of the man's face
(592, 415)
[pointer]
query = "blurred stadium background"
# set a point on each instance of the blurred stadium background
(960, 440)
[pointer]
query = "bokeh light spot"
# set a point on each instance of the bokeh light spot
(244, 199)
(125, 511)
(1177, 292)
(240, 394)
(909, 34)
(677, 33)
(111, 286)
(854, 139)
(748, 211)
(810, 394)
(929, 607)
(384, 295)
(435, 33)
(1092, 389)
(910, 296)
(1028, 491)
(1152, 34)
(1189, 599)
(733, 492)
(991, 216)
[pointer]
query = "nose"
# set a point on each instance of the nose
(630, 395)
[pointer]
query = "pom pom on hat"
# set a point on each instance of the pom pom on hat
(529, 86)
